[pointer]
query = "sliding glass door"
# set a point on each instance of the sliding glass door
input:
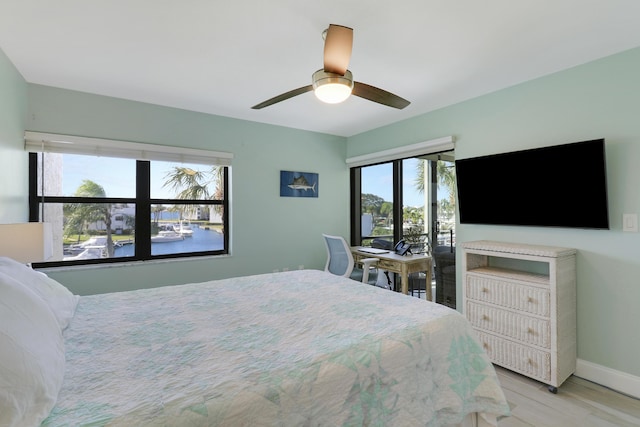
(437, 181)
(411, 199)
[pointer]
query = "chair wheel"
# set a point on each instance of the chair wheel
(553, 389)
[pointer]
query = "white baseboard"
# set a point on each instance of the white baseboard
(616, 380)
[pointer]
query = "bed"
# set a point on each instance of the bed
(297, 348)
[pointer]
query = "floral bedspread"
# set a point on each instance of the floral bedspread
(299, 348)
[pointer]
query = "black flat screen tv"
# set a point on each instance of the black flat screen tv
(558, 186)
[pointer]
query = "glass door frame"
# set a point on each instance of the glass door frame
(356, 202)
(431, 198)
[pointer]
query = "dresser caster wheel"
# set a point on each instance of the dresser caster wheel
(553, 389)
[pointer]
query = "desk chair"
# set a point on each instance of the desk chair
(340, 261)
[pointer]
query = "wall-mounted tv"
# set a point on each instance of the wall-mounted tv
(558, 186)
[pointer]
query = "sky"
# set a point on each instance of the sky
(378, 180)
(116, 176)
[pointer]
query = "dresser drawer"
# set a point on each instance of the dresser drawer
(527, 329)
(528, 299)
(517, 357)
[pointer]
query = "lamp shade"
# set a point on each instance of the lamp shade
(332, 88)
(26, 242)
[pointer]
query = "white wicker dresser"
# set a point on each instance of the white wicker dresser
(521, 300)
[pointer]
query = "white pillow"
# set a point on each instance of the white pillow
(31, 356)
(59, 299)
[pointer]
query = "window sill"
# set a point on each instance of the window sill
(129, 263)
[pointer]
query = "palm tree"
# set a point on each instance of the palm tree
(445, 171)
(446, 177)
(190, 184)
(218, 194)
(80, 215)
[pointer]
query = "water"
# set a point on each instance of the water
(202, 240)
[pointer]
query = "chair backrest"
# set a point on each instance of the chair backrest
(339, 257)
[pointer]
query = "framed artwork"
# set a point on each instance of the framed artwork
(298, 184)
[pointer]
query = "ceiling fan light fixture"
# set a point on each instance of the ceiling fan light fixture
(332, 88)
(334, 82)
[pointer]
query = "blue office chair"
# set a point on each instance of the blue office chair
(341, 263)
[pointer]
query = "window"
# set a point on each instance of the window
(412, 198)
(377, 202)
(108, 209)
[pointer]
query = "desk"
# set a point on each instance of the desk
(400, 264)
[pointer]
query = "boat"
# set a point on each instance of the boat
(89, 252)
(166, 236)
(184, 229)
(77, 248)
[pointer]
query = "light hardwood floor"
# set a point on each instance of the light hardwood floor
(579, 403)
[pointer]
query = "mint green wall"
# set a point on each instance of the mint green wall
(13, 160)
(599, 99)
(268, 232)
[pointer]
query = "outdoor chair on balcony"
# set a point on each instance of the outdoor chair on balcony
(341, 263)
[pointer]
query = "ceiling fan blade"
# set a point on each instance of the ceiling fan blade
(378, 95)
(337, 49)
(283, 97)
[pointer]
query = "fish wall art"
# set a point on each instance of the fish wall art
(298, 184)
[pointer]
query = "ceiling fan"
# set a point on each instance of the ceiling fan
(334, 83)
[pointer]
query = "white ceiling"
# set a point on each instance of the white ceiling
(224, 57)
